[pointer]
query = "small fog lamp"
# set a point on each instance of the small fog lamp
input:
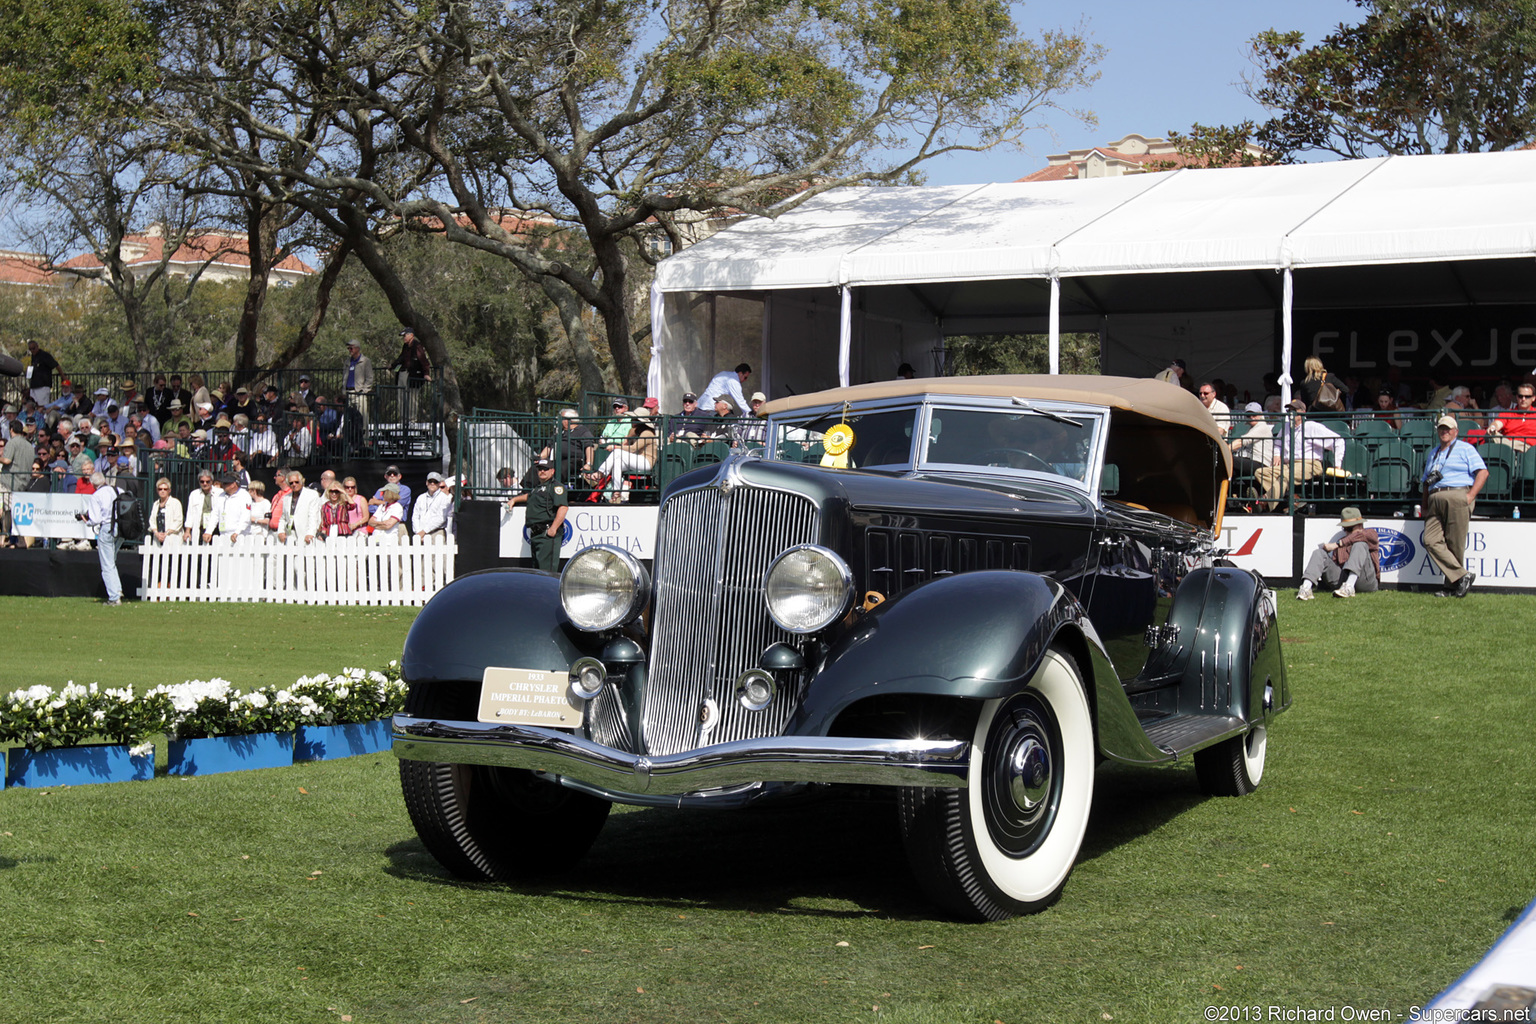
(603, 587)
(587, 678)
(755, 689)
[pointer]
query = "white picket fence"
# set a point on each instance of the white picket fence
(359, 570)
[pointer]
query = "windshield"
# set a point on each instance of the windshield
(880, 439)
(1010, 439)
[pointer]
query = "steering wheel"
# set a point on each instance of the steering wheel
(1013, 457)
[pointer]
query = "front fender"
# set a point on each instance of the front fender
(510, 618)
(975, 635)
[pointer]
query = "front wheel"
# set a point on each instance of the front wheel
(1233, 767)
(488, 824)
(1006, 843)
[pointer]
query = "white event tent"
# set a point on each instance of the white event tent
(1209, 265)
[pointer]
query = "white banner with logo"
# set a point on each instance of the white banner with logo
(631, 528)
(1501, 553)
(49, 515)
(1260, 543)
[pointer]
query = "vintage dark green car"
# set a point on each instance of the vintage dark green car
(967, 590)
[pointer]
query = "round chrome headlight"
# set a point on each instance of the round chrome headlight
(603, 587)
(807, 588)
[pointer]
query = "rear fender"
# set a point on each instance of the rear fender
(1227, 654)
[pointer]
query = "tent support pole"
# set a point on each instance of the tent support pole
(1286, 299)
(658, 341)
(1055, 342)
(845, 337)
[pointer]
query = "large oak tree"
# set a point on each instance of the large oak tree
(1414, 76)
(559, 134)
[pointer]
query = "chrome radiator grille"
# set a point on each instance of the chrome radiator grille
(709, 623)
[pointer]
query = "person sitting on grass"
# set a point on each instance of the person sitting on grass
(1350, 560)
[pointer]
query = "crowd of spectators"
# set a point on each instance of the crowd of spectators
(223, 509)
(58, 439)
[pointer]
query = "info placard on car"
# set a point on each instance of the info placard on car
(521, 696)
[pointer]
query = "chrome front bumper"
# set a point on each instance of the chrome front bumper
(830, 759)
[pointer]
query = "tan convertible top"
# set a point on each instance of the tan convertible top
(1154, 399)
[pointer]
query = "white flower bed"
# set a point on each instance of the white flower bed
(40, 717)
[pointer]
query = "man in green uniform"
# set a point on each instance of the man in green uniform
(547, 504)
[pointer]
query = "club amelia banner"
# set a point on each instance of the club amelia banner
(631, 528)
(1501, 553)
(49, 515)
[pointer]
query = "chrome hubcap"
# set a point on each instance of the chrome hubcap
(1021, 777)
(1029, 768)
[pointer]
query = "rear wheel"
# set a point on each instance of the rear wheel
(1006, 843)
(1233, 767)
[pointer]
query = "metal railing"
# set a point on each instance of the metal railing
(1379, 471)
(491, 441)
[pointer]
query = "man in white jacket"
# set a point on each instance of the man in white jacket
(234, 510)
(298, 516)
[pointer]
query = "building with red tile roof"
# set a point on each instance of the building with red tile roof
(28, 269)
(220, 255)
(1134, 154)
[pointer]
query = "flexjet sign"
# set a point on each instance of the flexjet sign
(1498, 341)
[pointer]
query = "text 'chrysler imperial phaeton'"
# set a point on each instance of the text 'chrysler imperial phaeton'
(968, 590)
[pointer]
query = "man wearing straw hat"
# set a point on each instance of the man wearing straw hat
(1349, 561)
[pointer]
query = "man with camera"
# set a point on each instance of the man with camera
(1453, 474)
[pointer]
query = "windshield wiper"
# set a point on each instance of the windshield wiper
(1025, 403)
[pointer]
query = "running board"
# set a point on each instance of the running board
(1182, 734)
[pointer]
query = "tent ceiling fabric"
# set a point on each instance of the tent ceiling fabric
(961, 245)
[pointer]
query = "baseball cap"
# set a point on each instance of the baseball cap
(1446, 421)
(1253, 407)
(102, 391)
(758, 396)
(651, 403)
(435, 477)
(407, 330)
(542, 464)
(391, 469)
(689, 396)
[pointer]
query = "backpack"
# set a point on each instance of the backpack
(128, 516)
(1329, 396)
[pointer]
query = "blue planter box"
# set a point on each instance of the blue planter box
(214, 754)
(77, 766)
(327, 742)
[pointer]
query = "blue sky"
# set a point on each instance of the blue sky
(1169, 65)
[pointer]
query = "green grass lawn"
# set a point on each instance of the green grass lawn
(1385, 851)
(55, 640)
